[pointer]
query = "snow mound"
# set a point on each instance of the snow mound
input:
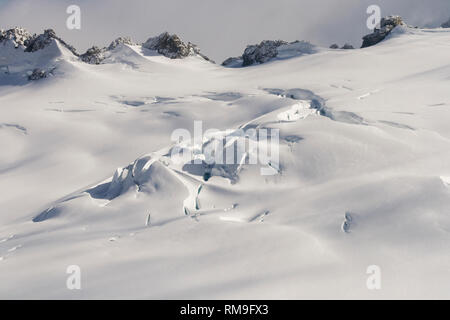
(146, 174)
(300, 110)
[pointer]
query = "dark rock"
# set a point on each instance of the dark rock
(347, 46)
(120, 40)
(268, 50)
(37, 74)
(96, 55)
(233, 62)
(43, 40)
(93, 55)
(18, 36)
(262, 52)
(446, 24)
(387, 24)
(171, 46)
(334, 46)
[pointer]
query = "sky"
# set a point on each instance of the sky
(221, 28)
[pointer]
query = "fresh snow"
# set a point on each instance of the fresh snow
(87, 176)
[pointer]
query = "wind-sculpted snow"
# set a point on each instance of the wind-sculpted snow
(162, 170)
(316, 103)
(361, 177)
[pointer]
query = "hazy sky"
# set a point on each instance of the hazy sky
(221, 28)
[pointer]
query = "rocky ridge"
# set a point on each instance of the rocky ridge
(387, 24)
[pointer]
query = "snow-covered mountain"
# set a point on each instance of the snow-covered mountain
(32, 57)
(90, 174)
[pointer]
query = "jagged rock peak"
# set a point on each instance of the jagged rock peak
(93, 55)
(41, 41)
(171, 46)
(387, 24)
(18, 36)
(120, 40)
(446, 24)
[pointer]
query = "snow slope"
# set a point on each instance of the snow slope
(362, 179)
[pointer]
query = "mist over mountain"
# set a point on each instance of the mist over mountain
(221, 28)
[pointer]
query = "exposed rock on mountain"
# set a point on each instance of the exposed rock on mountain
(446, 24)
(41, 41)
(37, 74)
(19, 37)
(233, 62)
(262, 52)
(93, 55)
(334, 46)
(120, 40)
(168, 45)
(387, 24)
(171, 46)
(268, 50)
(96, 55)
(347, 46)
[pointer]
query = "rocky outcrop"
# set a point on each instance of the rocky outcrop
(43, 40)
(233, 62)
(93, 55)
(387, 24)
(262, 52)
(96, 55)
(268, 50)
(446, 24)
(19, 37)
(119, 41)
(347, 46)
(37, 74)
(170, 46)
